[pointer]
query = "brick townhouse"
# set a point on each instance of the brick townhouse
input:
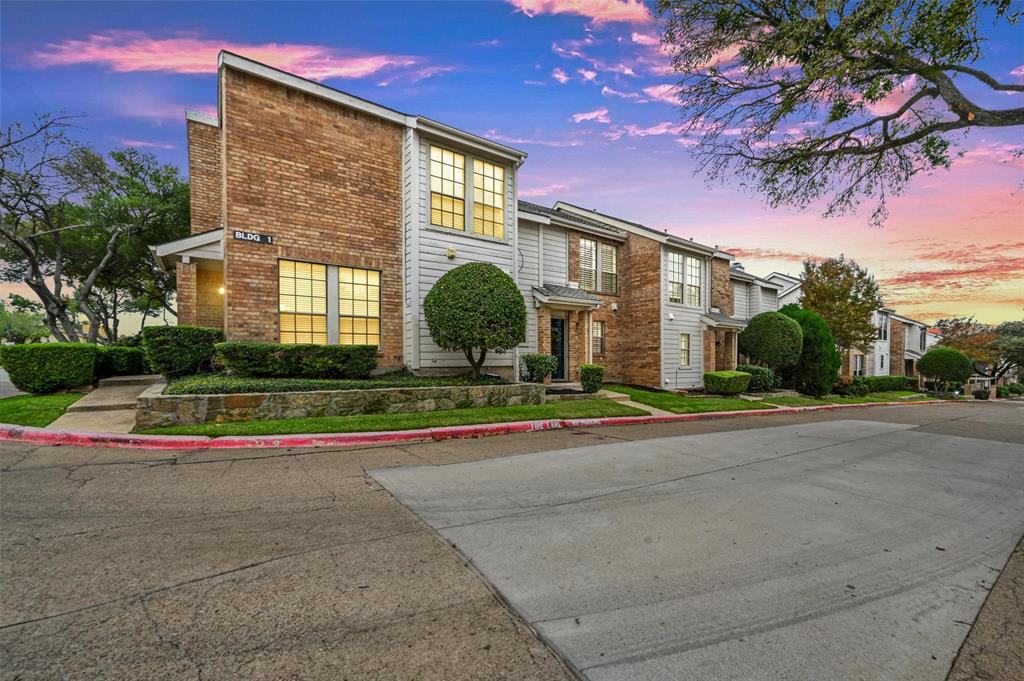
(320, 217)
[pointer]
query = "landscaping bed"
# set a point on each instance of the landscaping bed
(683, 404)
(890, 396)
(382, 422)
(222, 384)
(35, 410)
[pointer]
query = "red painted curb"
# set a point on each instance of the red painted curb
(11, 433)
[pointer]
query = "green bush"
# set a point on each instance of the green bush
(115, 360)
(816, 371)
(981, 393)
(592, 377)
(726, 382)
(41, 368)
(772, 339)
(217, 384)
(881, 384)
(762, 379)
(850, 386)
(1002, 392)
(297, 361)
(534, 368)
(945, 365)
(474, 309)
(180, 350)
(134, 341)
(1017, 388)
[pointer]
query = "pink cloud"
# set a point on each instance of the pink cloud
(587, 75)
(895, 99)
(631, 130)
(599, 115)
(143, 144)
(1019, 71)
(645, 39)
(127, 51)
(538, 141)
(599, 11)
(609, 92)
(543, 190)
(561, 76)
(662, 93)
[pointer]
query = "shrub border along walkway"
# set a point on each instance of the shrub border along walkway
(11, 433)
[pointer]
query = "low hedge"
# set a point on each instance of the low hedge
(221, 384)
(591, 377)
(881, 384)
(40, 368)
(180, 350)
(1003, 392)
(850, 386)
(119, 361)
(534, 368)
(762, 379)
(981, 393)
(297, 361)
(726, 382)
(1017, 388)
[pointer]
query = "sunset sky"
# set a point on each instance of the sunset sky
(581, 85)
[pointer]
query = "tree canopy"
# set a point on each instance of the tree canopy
(841, 100)
(772, 339)
(845, 295)
(994, 349)
(818, 366)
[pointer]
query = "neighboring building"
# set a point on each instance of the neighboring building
(908, 341)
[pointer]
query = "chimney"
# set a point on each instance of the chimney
(738, 266)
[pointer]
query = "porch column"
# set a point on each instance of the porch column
(186, 293)
(544, 334)
(709, 350)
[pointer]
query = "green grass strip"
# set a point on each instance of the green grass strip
(680, 404)
(35, 410)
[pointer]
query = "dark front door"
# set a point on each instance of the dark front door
(558, 347)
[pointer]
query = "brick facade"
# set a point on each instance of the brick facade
(325, 181)
(897, 347)
(209, 305)
(723, 295)
(186, 294)
(204, 176)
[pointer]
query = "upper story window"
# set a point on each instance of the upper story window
(598, 267)
(609, 282)
(588, 264)
(693, 281)
(488, 199)
(358, 306)
(302, 302)
(883, 327)
(923, 339)
(676, 269)
(447, 188)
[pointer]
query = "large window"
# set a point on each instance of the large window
(488, 199)
(302, 302)
(609, 270)
(684, 349)
(358, 306)
(693, 277)
(588, 264)
(676, 265)
(598, 267)
(597, 338)
(858, 365)
(447, 188)
(883, 327)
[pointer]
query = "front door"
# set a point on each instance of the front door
(558, 348)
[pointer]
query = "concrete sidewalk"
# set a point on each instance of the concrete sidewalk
(110, 408)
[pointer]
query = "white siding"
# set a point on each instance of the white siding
(433, 246)
(556, 255)
(685, 320)
(741, 306)
(769, 299)
(793, 296)
(528, 265)
(410, 259)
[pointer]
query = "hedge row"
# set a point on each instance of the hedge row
(264, 360)
(180, 350)
(762, 379)
(881, 384)
(726, 382)
(40, 368)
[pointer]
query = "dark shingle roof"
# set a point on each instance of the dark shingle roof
(721, 318)
(559, 291)
(565, 215)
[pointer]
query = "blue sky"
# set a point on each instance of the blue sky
(581, 86)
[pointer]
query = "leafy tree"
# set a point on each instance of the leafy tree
(845, 295)
(995, 350)
(17, 326)
(772, 339)
(476, 308)
(818, 367)
(835, 100)
(946, 365)
(23, 304)
(76, 226)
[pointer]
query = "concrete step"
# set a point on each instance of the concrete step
(109, 398)
(144, 379)
(115, 421)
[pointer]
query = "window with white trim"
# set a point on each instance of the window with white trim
(676, 269)
(883, 327)
(358, 306)
(609, 282)
(693, 281)
(588, 265)
(684, 349)
(597, 337)
(447, 189)
(488, 199)
(302, 302)
(858, 365)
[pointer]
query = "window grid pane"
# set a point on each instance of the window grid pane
(609, 269)
(358, 306)
(684, 349)
(447, 188)
(675, 277)
(302, 302)
(488, 197)
(588, 265)
(597, 338)
(693, 275)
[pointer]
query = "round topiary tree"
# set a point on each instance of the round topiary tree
(816, 370)
(772, 339)
(945, 365)
(476, 308)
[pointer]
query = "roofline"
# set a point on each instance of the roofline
(200, 117)
(642, 230)
(567, 221)
(784, 276)
(255, 68)
(908, 320)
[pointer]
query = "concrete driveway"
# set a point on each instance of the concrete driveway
(847, 549)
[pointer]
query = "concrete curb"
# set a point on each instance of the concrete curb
(11, 433)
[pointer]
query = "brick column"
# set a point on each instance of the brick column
(186, 294)
(709, 350)
(544, 334)
(897, 347)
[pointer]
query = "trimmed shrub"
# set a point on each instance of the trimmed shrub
(945, 365)
(726, 382)
(762, 379)
(277, 360)
(772, 339)
(816, 371)
(879, 384)
(180, 350)
(981, 393)
(41, 368)
(1002, 392)
(134, 341)
(534, 368)
(592, 377)
(850, 386)
(1017, 388)
(115, 360)
(476, 308)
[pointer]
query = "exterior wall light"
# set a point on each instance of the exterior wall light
(221, 290)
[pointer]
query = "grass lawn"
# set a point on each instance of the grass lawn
(679, 404)
(218, 384)
(891, 396)
(376, 422)
(34, 410)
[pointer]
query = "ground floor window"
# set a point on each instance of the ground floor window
(597, 337)
(358, 306)
(858, 365)
(311, 293)
(684, 349)
(302, 302)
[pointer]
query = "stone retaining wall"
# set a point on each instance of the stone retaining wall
(157, 411)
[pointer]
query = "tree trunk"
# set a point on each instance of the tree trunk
(475, 362)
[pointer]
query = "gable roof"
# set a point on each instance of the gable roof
(571, 220)
(637, 228)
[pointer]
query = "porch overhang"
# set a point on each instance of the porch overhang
(559, 297)
(204, 248)
(718, 320)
